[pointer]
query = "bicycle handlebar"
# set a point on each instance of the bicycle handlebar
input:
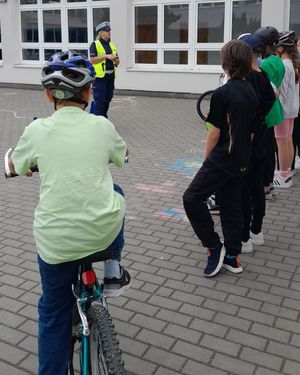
(33, 168)
(7, 172)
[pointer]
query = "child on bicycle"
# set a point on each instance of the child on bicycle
(227, 153)
(80, 213)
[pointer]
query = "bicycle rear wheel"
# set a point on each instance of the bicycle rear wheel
(203, 104)
(105, 354)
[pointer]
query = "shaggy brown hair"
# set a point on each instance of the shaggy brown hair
(292, 53)
(236, 58)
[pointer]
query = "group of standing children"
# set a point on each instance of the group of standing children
(259, 102)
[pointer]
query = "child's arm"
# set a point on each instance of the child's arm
(12, 169)
(211, 140)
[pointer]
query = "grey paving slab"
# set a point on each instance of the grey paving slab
(173, 320)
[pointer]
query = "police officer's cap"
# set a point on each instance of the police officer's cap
(103, 26)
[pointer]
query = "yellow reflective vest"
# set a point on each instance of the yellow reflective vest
(100, 68)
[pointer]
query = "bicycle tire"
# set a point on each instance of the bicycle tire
(105, 354)
(206, 96)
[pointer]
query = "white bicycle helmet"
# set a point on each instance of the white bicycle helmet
(287, 39)
(66, 74)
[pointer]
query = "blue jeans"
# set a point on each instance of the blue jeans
(55, 309)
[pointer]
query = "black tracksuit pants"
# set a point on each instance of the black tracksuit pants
(269, 165)
(253, 198)
(296, 139)
(208, 180)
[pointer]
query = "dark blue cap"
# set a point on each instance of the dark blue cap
(252, 40)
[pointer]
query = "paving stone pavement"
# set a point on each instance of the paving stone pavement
(173, 320)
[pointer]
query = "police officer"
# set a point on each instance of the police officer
(104, 57)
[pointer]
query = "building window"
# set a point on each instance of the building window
(99, 15)
(146, 24)
(294, 16)
(210, 28)
(49, 26)
(29, 26)
(77, 22)
(246, 16)
(146, 57)
(190, 33)
(0, 44)
(176, 57)
(176, 23)
(52, 26)
(208, 58)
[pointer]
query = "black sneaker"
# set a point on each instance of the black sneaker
(232, 264)
(214, 260)
(213, 207)
(116, 287)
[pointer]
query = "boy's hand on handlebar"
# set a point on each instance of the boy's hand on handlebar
(29, 173)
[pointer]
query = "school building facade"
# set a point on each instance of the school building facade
(164, 45)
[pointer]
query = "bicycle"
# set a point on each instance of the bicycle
(92, 326)
(203, 103)
(99, 350)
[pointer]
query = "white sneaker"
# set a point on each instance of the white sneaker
(297, 162)
(247, 247)
(269, 196)
(257, 239)
(280, 182)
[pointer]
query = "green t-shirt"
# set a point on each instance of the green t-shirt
(79, 212)
(275, 70)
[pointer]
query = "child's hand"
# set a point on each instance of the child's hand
(29, 173)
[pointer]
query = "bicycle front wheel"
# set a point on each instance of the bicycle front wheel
(105, 354)
(203, 104)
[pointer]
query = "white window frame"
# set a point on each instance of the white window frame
(192, 46)
(63, 6)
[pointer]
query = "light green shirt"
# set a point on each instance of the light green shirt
(79, 212)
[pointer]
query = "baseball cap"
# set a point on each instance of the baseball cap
(252, 40)
(103, 26)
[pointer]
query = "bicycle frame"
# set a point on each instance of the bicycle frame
(89, 290)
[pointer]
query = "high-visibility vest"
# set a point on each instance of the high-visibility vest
(100, 68)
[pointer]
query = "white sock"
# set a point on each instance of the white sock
(112, 269)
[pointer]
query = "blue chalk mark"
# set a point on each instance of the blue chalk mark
(187, 167)
(173, 213)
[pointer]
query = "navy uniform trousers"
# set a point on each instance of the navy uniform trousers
(103, 91)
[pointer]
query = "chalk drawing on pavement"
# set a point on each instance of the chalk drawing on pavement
(165, 187)
(172, 213)
(187, 167)
(14, 113)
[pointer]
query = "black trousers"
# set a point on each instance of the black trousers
(253, 199)
(103, 91)
(208, 180)
(269, 165)
(296, 139)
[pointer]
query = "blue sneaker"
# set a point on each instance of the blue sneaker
(232, 264)
(214, 260)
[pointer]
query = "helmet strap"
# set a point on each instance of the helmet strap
(80, 101)
(75, 100)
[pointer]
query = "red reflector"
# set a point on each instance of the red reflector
(88, 277)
